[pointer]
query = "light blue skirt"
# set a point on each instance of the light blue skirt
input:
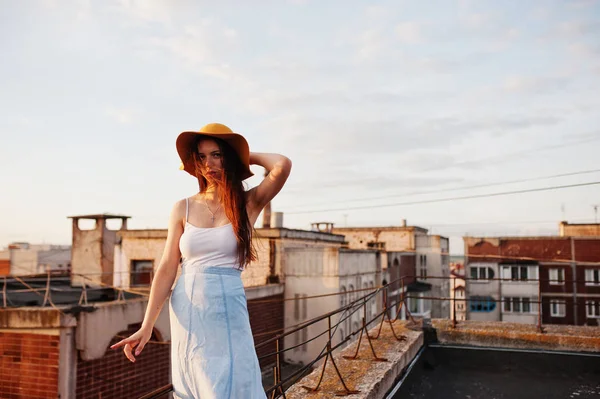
(212, 348)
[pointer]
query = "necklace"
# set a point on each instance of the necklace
(212, 214)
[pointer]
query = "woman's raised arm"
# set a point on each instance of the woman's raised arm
(278, 168)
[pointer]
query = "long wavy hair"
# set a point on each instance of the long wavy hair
(233, 198)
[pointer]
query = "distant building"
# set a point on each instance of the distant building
(410, 251)
(26, 259)
(579, 230)
(457, 291)
(4, 262)
(504, 272)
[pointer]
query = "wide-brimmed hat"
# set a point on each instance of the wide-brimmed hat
(236, 141)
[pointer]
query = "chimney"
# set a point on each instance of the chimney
(403, 223)
(266, 223)
(277, 220)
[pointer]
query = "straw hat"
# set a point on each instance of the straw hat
(239, 144)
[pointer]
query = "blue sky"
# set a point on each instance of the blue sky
(368, 99)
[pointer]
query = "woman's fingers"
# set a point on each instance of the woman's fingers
(141, 346)
(128, 344)
(127, 350)
(121, 343)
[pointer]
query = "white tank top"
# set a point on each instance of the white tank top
(208, 246)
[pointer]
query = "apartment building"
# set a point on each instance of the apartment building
(412, 252)
(509, 276)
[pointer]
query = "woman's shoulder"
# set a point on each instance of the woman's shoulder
(179, 208)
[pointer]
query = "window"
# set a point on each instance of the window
(141, 272)
(557, 276)
(297, 307)
(592, 276)
(516, 305)
(376, 245)
(519, 272)
(592, 309)
(413, 305)
(526, 305)
(343, 296)
(423, 266)
(482, 304)
(557, 308)
(482, 272)
(304, 307)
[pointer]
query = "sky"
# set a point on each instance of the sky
(384, 108)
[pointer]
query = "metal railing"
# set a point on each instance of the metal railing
(391, 310)
(89, 283)
(342, 314)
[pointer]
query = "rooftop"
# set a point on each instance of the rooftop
(30, 291)
(100, 216)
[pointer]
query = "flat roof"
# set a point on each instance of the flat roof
(469, 372)
(18, 293)
(100, 216)
(392, 228)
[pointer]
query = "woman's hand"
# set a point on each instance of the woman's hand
(138, 339)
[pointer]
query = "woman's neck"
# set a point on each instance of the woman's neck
(212, 193)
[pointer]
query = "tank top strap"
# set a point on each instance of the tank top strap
(187, 209)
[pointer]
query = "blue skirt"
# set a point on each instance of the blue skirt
(212, 348)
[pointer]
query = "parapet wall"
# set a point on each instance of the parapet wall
(517, 336)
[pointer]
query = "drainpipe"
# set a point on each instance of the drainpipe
(574, 271)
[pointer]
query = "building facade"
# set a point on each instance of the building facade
(458, 305)
(516, 273)
(25, 259)
(409, 249)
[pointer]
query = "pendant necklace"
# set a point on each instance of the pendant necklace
(212, 215)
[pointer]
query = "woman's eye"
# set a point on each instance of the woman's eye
(217, 155)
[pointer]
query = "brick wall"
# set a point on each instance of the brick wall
(544, 276)
(264, 317)
(587, 250)
(28, 366)
(4, 267)
(113, 376)
(547, 318)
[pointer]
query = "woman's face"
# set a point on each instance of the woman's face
(211, 159)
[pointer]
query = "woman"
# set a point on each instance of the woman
(212, 349)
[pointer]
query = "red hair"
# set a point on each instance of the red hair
(233, 196)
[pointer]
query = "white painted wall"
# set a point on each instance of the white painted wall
(39, 258)
(520, 289)
(483, 288)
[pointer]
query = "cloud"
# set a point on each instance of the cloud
(148, 11)
(522, 84)
(580, 4)
(380, 137)
(578, 28)
(409, 33)
(370, 180)
(478, 21)
(371, 43)
(584, 50)
(123, 115)
(376, 12)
